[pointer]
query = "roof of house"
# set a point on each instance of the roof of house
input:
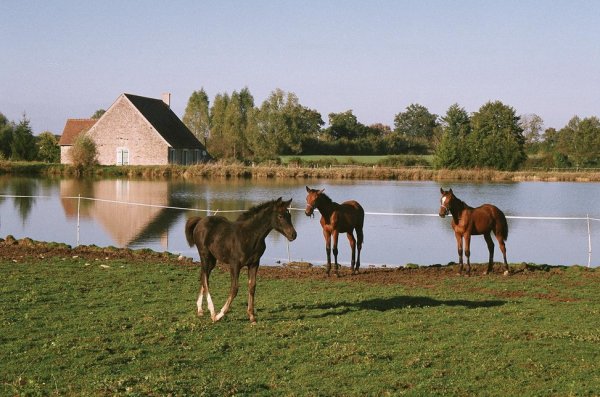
(166, 122)
(74, 127)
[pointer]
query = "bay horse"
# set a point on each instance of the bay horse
(468, 221)
(335, 219)
(236, 244)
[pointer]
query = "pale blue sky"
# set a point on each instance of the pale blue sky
(66, 59)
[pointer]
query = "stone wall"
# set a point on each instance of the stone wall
(123, 127)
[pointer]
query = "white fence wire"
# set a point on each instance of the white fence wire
(587, 218)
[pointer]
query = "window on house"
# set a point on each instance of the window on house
(122, 156)
(184, 157)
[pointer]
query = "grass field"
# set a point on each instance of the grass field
(72, 326)
(358, 160)
(339, 159)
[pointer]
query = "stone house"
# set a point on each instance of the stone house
(137, 130)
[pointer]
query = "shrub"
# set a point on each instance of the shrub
(83, 152)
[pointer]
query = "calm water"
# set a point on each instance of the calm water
(391, 237)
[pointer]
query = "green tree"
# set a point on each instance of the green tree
(230, 125)
(416, 122)
(83, 152)
(496, 140)
(532, 126)
(281, 125)
(344, 125)
(48, 149)
(98, 113)
(579, 140)
(452, 151)
(197, 116)
(216, 144)
(6, 137)
(23, 142)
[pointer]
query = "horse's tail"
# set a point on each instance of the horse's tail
(502, 226)
(190, 225)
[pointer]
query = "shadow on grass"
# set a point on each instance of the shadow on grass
(397, 302)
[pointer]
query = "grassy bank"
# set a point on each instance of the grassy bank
(77, 326)
(238, 170)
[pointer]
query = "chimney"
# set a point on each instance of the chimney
(166, 98)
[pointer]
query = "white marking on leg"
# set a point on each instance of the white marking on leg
(211, 307)
(199, 302)
(219, 316)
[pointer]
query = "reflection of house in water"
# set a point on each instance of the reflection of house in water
(127, 224)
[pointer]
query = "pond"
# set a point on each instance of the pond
(401, 224)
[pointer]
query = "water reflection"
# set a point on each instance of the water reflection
(47, 210)
(144, 219)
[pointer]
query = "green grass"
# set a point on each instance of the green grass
(357, 160)
(340, 159)
(76, 328)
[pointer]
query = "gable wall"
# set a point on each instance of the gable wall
(65, 154)
(122, 126)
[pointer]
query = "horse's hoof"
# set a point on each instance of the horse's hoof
(200, 313)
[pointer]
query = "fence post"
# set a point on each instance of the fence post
(589, 242)
(78, 208)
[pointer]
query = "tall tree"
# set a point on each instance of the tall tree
(579, 140)
(196, 116)
(344, 125)
(48, 149)
(230, 118)
(452, 151)
(416, 122)
(6, 137)
(532, 126)
(496, 140)
(281, 125)
(217, 146)
(23, 143)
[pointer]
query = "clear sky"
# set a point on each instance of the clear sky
(67, 59)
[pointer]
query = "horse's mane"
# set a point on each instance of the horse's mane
(255, 210)
(326, 198)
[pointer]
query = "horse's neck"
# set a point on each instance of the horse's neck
(326, 209)
(458, 209)
(256, 228)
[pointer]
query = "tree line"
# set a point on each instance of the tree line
(18, 143)
(233, 127)
(492, 137)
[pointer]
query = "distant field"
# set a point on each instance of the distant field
(352, 159)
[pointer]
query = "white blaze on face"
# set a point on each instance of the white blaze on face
(443, 200)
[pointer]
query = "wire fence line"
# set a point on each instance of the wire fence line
(561, 218)
(587, 218)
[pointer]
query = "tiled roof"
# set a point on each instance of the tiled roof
(74, 127)
(166, 122)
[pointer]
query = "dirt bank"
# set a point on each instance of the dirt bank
(26, 250)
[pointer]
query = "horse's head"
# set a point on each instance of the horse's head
(283, 219)
(445, 202)
(312, 199)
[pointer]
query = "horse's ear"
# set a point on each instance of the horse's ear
(321, 191)
(279, 200)
(450, 191)
(308, 189)
(442, 191)
(288, 203)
